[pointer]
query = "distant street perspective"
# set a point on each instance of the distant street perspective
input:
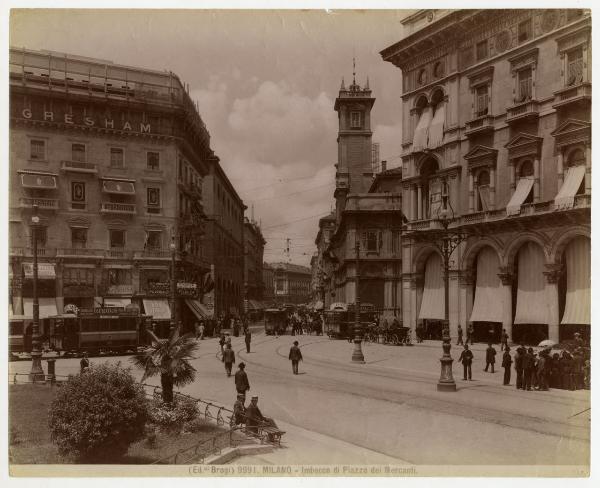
(241, 241)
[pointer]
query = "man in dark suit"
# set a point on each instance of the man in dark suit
(490, 357)
(528, 367)
(460, 336)
(466, 358)
(242, 384)
(295, 356)
(506, 363)
(519, 366)
(228, 359)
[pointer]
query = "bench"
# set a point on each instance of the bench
(268, 433)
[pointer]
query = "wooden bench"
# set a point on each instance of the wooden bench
(268, 433)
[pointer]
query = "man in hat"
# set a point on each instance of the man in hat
(504, 341)
(506, 363)
(295, 356)
(470, 333)
(520, 367)
(228, 359)
(528, 368)
(490, 357)
(242, 384)
(248, 339)
(239, 411)
(460, 336)
(466, 358)
(254, 416)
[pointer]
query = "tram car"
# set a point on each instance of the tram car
(275, 320)
(340, 320)
(101, 330)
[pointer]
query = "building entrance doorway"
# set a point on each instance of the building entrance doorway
(487, 332)
(529, 334)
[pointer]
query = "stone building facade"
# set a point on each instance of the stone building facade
(254, 248)
(496, 116)
(291, 283)
(114, 157)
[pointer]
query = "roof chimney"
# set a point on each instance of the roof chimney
(383, 165)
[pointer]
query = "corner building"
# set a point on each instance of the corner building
(496, 112)
(114, 158)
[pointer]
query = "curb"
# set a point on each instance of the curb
(231, 453)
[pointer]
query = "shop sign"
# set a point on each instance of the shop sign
(105, 123)
(113, 311)
(158, 288)
(187, 289)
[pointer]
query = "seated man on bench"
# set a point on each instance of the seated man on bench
(256, 423)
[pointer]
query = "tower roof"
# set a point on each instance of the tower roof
(354, 91)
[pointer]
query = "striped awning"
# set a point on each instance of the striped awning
(578, 300)
(118, 187)
(42, 181)
(198, 309)
(488, 305)
(532, 303)
(116, 302)
(567, 192)
(47, 307)
(513, 207)
(158, 308)
(45, 271)
(422, 130)
(432, 304)
(435, 136)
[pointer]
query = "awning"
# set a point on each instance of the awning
(45, 271)
(435, 136)
(488, 304)
(578, 301)
(523, 188)
(118, 187)
(159, 309)
(257, 305)
(484, 195)
(116, 302)
(432, 304)
(198, 309)
(47, 307)
(435, 198)
(39, 181)
(422, 129)
(319, 305)
(567, 192)
(532, 303)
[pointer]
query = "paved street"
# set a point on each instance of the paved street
(388, 410)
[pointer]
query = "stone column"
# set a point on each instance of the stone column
(536, 180)
(466, 280)
(419, 202)
(407, 303)
(559, 168)
(552, 275)
(506, 276)
(588, 168)
(60, 298)
(492, 202)
(388, 295)
(511, 172)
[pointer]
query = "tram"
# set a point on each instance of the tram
(275, 321)
(339, 322)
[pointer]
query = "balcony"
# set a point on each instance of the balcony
(118, 253)
(28, 252)
(117, 208)
(42, 203)
(152, 254)
(479, 125)
(373, 201)
(78, 252)
(79, 167)
(522, 111)
(577, 95)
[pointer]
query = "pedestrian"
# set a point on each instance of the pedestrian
(542, 371)
(504, 342)
(460, 336)
(227, 339)
(222, 344)
(470, 333)
(84, 363)
(295, 356)
(202, 328)
(248, 339)
(228, 359)
(242, 385)
(466, 358)
(239, 411)
(520, 367)
(490, 357)
(528, 367)
(506, 363)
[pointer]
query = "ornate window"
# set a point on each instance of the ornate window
(37, 149)
(153, 160)
(482, 100)
(153, 200)
(356, 120)
(574, 67)
(483, 191)
(78, 237)
(438, 69)
(78, 195)
(523, 68)
(525, 170)
(422, 77)
(78, 152)
(525, 85)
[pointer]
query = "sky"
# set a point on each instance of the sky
(265, 83)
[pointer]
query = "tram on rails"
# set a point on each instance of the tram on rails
(275, 321)
(340, 320)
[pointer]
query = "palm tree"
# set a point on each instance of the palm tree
(171, 359)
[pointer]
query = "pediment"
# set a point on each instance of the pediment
(523, 139)
(78, 221)
(570, 126)
(481, 152)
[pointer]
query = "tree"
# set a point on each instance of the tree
(171, 359)
(97, 414)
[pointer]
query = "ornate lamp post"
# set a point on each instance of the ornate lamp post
(173, 249)
(36, 373)
(357, 354)
(446, 242)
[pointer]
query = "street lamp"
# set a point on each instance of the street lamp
(357, 354)
(173, 249)
(446, 242)
(37, 373)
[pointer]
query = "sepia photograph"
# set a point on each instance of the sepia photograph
(298, 243)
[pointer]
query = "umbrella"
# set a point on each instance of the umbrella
(547, 343)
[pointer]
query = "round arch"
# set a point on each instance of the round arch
(437, 94)
(426, 158)
(422, 256)
(558, 248)
(469, 256)
(515, 245)
(421, 101)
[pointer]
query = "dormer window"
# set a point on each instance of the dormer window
(355, 120)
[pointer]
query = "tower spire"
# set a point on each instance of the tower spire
(343, 87)
(353, 70)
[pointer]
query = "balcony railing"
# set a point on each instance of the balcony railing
(79, 252)
(79, 167)
(118, 253)
(42, 203)
(479, 125)
(572, 94)
(152, 253)
(118, 208)
(28, 252)
(522, 111)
